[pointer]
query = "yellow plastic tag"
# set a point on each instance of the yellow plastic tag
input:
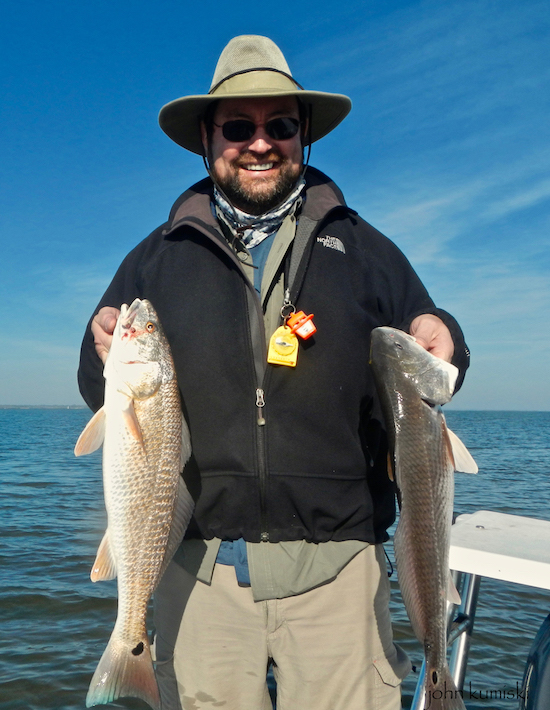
(283, 347)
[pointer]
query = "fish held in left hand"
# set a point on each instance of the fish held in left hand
(412, 384)
(146, 444)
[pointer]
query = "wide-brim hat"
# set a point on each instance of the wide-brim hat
(250, 66)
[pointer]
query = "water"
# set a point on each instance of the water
(55, 622)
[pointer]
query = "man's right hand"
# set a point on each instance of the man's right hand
(103, 326)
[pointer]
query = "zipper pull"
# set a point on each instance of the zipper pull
(260, 403)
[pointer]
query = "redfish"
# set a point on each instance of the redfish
(412, 384)
(146, 444)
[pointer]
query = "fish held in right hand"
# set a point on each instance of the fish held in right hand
(146, 444)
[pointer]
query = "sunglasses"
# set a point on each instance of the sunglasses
(240, 130)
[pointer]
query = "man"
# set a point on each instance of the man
(283, 561)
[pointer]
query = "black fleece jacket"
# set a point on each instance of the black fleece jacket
(316, 470)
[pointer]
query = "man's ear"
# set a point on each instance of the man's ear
(304, 130)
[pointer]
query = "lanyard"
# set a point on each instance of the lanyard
(283, 345)
(296, 267)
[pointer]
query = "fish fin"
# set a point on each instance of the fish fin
(104, 567)
(136, 378)
(93, 434)
(462, 459)
(452, 592)
(441, 691)
(131, 422)
(183, 511)
(124, 671)
(185, 442)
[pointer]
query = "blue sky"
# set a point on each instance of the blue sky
(446, 151)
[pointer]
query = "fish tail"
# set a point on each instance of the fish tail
(441, 691)
(124, 671)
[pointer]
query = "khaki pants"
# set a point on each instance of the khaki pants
(331, 647)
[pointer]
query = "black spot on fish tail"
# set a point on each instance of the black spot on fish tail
(138, 650)
(434, 677)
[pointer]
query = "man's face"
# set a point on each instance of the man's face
(259, 173)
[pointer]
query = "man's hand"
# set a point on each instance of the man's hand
(433, 335)
(103, 326)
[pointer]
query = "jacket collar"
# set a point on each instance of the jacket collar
(193, 207)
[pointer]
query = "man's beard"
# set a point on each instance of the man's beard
(257, 202)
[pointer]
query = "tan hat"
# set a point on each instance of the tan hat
(250, 66)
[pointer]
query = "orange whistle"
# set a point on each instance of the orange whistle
(302, 325)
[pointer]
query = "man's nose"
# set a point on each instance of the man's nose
(260, 141)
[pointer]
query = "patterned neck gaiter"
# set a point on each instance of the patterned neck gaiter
(253, 229)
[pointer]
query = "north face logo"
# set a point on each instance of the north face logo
(332, 243)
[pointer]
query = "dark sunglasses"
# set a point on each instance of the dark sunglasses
(240, 130)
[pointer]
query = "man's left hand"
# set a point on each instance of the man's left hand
(433, 335)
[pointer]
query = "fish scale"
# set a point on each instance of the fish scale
(144, 537)
(423, 582)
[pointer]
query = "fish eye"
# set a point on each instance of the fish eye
(150, 327)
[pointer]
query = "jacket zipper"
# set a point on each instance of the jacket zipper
(260, 404)
(262, 463)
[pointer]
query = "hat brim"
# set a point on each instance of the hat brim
(180, 119)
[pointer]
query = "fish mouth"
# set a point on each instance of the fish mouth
(128, 315)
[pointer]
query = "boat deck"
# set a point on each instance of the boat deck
(511, 548)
